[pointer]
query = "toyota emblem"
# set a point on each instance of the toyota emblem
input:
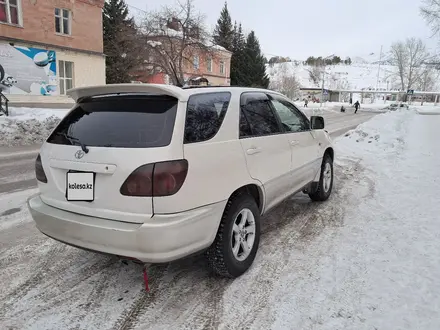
(79, 154)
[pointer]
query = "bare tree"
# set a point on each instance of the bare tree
(285, 82)
(409, 57)
(173, 37)
(430, 11)
(315, 74)
(429, 79)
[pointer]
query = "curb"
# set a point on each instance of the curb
(19, 153)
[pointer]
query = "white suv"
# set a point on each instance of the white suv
(157, 172)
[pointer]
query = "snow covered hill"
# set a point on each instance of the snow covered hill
(355, 76)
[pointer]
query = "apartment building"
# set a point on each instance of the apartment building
(214, 66)
(207, 64)
(48, 47)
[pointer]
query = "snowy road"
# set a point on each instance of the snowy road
(17, 163)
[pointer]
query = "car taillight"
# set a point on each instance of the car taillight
(39, 170)
(156, 180)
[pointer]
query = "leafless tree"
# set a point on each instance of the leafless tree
(409, 57)
(315, 74)
(430, 11)
(429, 79)
(172, 38)
(285, 82)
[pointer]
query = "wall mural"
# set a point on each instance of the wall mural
(25, 70)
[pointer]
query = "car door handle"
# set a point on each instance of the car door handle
(294, 143)
(253, 151)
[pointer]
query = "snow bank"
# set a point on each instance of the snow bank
(27, 126)
(383, 272)
(428, 110)
(382, 135)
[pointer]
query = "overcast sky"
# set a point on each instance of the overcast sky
(301, 28)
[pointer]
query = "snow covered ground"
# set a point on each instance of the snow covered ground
(429, 110)
(27, 126)
(366, 259)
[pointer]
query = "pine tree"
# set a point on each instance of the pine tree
(238, 61)
(223, 32)
(255, 69)
(119, 41)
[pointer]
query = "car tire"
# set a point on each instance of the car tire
(325, 187)
(223, 259)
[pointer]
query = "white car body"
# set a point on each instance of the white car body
(162, 229)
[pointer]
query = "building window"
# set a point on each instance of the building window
(62, 21)
(196, 62)
(209, 65)
(222, 67)
(66, 76)
(10, 11)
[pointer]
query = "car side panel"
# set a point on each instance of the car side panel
(271, 165)
(217, 167)
(324, 142)
(305, 157)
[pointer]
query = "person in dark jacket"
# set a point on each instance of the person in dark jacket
(351, 101)
(357, 105)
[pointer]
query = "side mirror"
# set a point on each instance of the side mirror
(317, 122)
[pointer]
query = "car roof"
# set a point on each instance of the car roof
(182, 94)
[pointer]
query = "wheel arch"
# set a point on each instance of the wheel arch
(255, 191)
(330, 151)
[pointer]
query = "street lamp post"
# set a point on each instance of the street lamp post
(323, 77)
(322, 87)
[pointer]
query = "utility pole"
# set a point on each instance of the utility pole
(323, 77)
(378, 69)
(322, 88)
(424, 85)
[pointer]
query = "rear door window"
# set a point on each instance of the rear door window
(204, 115)
(257, 117)
(134, 121)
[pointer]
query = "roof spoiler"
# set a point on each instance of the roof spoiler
(78, 94)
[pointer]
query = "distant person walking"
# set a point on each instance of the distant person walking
(351, 101)
(357, 106)
(305, 103)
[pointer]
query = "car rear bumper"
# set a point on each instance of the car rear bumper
(162, 238)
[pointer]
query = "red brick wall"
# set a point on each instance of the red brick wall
(39, 24)
(203, 68)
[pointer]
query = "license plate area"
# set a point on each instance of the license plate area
(80, 186)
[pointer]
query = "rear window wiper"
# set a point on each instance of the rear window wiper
(73, 140)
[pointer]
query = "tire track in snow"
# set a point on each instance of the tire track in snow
(129, 318)
(21, 291)
(57, 263)
(97, 264)
(171, 285)
(295, 225)
(286, 228)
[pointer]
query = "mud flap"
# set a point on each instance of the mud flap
(311, 188)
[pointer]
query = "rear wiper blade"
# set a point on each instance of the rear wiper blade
(74, 139)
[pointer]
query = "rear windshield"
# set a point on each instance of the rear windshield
(119, 121)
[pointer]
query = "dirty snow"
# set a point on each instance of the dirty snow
(28, 126)
(366, 259)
